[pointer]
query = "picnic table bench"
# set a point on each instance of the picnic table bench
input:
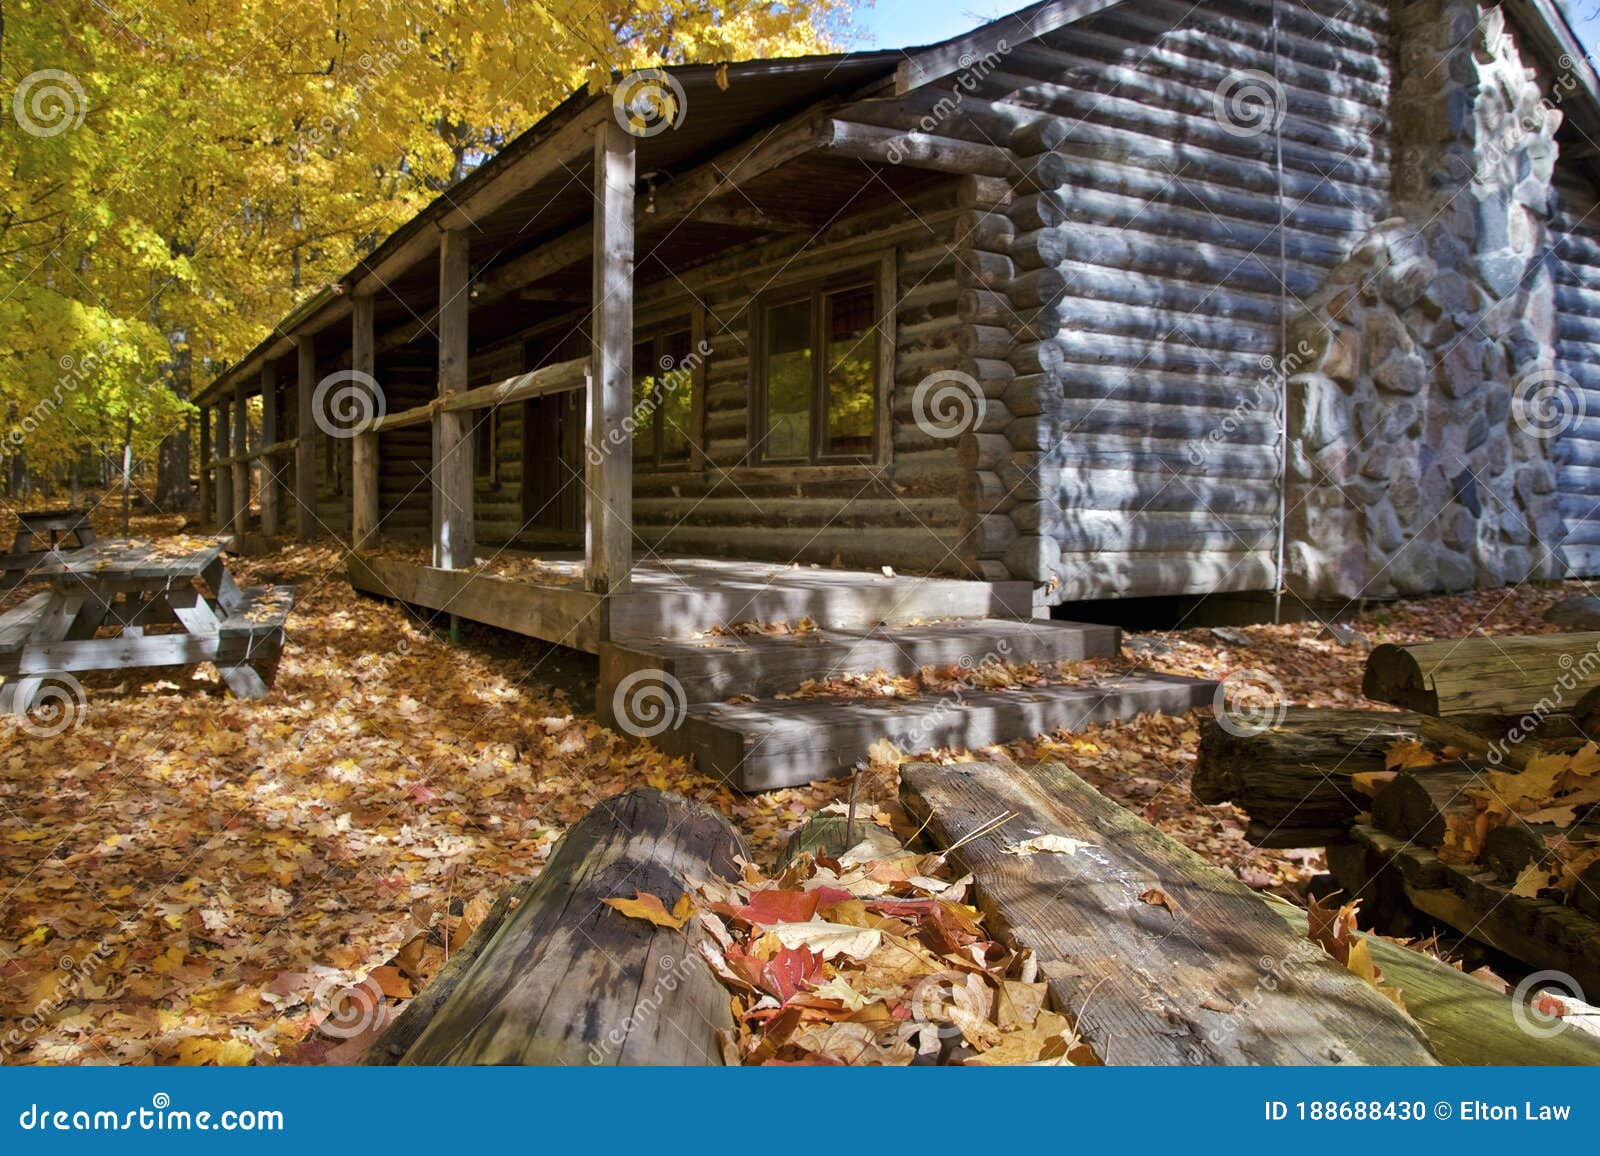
(129, 587)
(52, 528)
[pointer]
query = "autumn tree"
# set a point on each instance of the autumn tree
(181, 173)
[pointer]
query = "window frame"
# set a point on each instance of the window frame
(876, 276)
(654, 334)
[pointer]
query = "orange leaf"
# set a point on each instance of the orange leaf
(1159, 898)
(646, 906)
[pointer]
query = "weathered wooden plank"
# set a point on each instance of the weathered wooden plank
(569, 980)
(562, 614)
(608, 468)
(1467, 1023)
(1486, 675)
(1148, 985)
(241, 460)
(454, 537)
(224, 475)
(271, 484)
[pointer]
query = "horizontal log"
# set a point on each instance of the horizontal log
(569, 980)
(1542, 674)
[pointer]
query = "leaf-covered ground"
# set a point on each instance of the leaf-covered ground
(188, 878)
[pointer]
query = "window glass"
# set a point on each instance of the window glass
(675, 395)
(788, 376)
(851, 371)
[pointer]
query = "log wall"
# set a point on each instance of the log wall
(1575, 229)
(1145, 411)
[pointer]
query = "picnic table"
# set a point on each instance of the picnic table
(40, 534)
(130, 587)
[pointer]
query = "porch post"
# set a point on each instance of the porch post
(305, 446)
(224, 480)
(206, 512)
(609, 461)
(364, 449)
(453, 544)
(270, 488)
(241, 462)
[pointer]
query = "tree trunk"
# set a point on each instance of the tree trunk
(174, 493)
(569, 980)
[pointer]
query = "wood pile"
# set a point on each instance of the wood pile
(1475, 808)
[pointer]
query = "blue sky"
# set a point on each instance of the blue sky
(903, 23)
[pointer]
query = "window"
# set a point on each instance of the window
(485, 438)
(663, 397)
(818, 385)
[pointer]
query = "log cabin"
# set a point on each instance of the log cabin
(1100, 300)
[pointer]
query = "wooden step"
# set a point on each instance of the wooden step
(772, 743)
(833, 599)
(720, 666)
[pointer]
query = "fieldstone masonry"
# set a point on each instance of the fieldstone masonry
(1411, 467)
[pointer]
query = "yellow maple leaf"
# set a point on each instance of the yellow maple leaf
(646, 906)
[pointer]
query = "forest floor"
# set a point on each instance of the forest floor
(188, 878)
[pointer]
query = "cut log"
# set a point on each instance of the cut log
(832, 834)
(1418, 803)
(1294, 779)
(1466, 1022)
(1508, 741)
(1542, 673)
(569, 980)
(1473, 901)
(1147, 983)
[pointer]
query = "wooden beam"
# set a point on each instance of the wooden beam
(271, 486)
(992, 40)
(557, 378)
(305, 449)
(224, 478)
(206, 512)
(241, 460)
(453, 544)
(609, 461)
(364, 449)
(745, 216)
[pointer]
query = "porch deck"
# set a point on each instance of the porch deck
(542, 595)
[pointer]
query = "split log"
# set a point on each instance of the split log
(1540, 674)
(569, 980)
(1145, 983)
(1466, 1022)
(1293, 780)
(1418, 804)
